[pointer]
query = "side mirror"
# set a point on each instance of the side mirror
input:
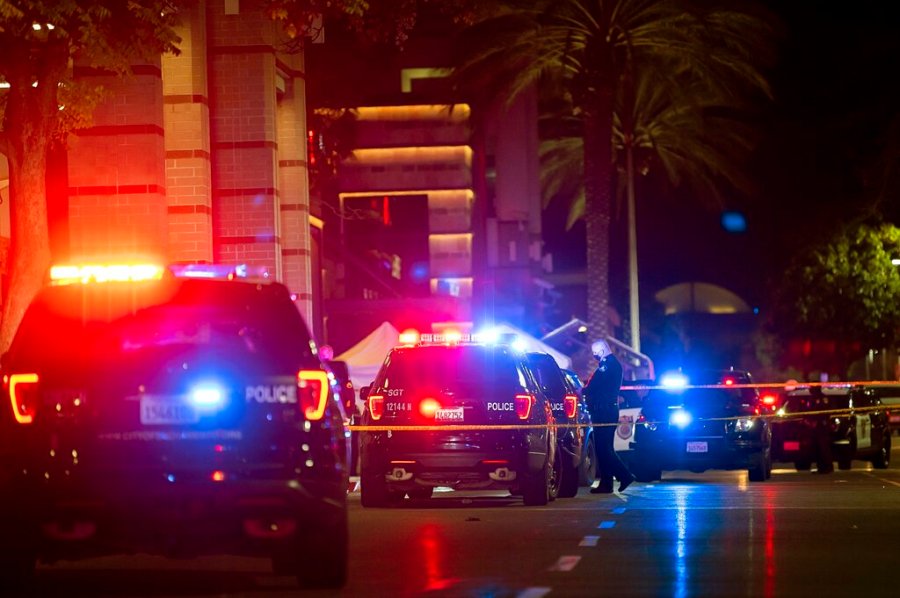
(363, 393)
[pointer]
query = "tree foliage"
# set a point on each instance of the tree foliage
(588, 51)
(845, 288)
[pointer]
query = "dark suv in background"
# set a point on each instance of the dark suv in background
(708, 422)
(448, 387)
(173, 415)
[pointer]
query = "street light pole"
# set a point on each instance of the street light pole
(633, 298)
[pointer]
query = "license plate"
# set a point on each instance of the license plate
(792, 445)
(698, 446)
(155, 411)
(454, 414)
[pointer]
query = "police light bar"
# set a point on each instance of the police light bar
(409, 337)
(219, 271)
(674, 381)
(90, 273)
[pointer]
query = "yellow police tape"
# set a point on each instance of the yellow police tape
(780, 416)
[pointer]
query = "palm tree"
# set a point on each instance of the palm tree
(685, 129)
(587, 48)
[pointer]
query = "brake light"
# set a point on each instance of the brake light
(571, 402)
(428, 407)
(376, 406)
(523, 405)
(768, 399)
(312, 387)
(23, 396)
(728, 381)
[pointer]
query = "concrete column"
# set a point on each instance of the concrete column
(186, 123)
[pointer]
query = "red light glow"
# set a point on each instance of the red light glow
(428, 407)
(217, 476)
(523, 405)
(313, 390)
(571, 402)
(409, 337)
(23, 398)
(376, 406)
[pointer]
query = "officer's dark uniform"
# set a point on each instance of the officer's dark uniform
(602, 392)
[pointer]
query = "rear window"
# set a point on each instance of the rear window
(801, 403)
(77, 323)
(708, 401)
(548, 375)
(456, 368)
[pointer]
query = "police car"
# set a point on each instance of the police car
(853, 420)
(452, 385)
(568, 409)
(708, 420)
(172, 412)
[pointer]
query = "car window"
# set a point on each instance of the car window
(700, 401)
(463, 368)
(805, 402)
(124, 321)
(548, 375)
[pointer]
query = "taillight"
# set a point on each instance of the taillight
(23, 396)
(376, 406)
(523, 405)
(571, 402)
(768, 399)
(428, 407)
(312, 386)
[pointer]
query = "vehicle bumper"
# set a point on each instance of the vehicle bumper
(466, 461)
(698, 454)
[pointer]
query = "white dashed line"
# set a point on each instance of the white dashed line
(589, 541)
(536, 592)
(606, 525)
(565, 563)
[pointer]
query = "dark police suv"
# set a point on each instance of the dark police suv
(700, 423)
(458, 385)
(839, 423)
(146, 412)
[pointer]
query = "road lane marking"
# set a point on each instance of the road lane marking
(881, 479)
(618, 511)
(589, 541)
(565, 563)
(536, 592)
(606, 525)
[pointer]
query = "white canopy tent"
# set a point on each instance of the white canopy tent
(365, 357)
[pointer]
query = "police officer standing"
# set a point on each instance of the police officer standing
(602, 392)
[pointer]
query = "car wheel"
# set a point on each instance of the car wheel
(845, 463)
(422, 493)
(802, 465)
(374, 491)
(318, 558)
(536, 487)
(757, 469)
(587, 473)
(568, 486)
(883, 459)
(646, 472)
(556, 475)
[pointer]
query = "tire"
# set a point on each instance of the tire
(556, 475)
(317, 558)
(536, 487)
(882, 459)
(645, 472)
(758, 466)
(802, 465)
(845, 464)
(374, 491)
(423, 493)
(568, 486)
(587, 473)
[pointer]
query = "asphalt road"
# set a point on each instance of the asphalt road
(712, 534)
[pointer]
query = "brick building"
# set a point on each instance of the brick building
(201, 156)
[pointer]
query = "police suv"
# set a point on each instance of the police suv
(708, 420)
(479, 421)
(172, 414)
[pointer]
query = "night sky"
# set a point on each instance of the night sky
(837, 92)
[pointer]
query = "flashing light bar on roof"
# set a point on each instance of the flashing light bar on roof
(674, 381)
(219, 271)
(87, 273)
